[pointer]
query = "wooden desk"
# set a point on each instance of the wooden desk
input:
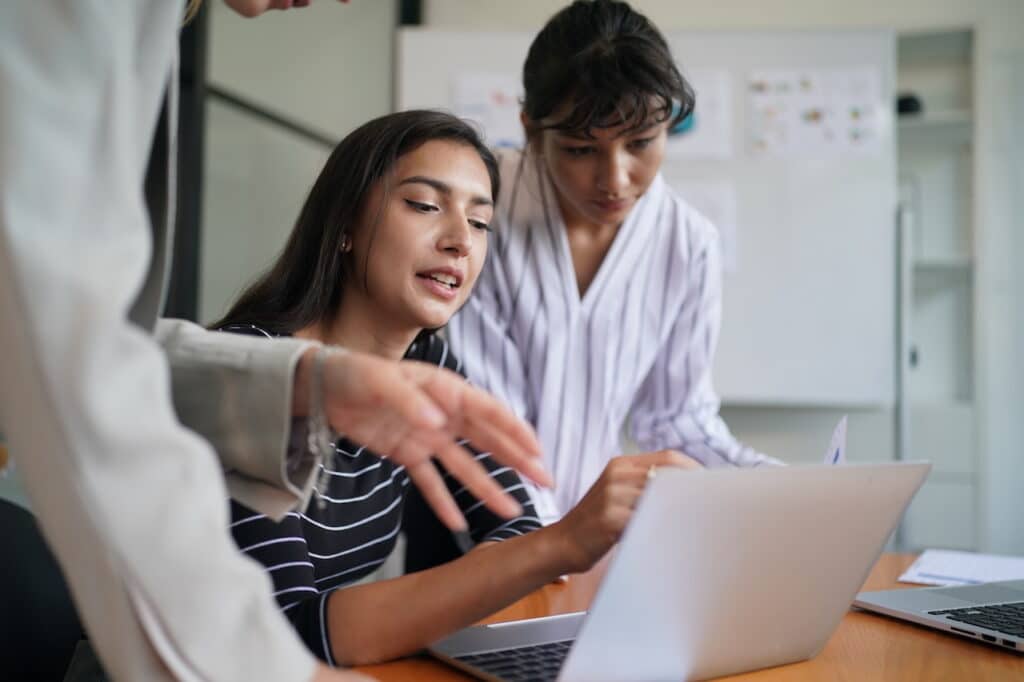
(864, 647)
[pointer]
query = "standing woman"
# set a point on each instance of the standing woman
(128, 430)
(601, 300)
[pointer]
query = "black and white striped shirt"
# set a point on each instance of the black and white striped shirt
(311, 553)
(639, 344)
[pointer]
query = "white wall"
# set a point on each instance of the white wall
(732, 14)
(327, 67)
(998, 25)
(1000, 246)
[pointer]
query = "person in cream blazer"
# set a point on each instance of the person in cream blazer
(129, 431)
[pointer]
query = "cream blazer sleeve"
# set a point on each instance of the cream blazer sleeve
(133, 504)
(236, 392)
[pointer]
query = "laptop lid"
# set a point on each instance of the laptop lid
(722, 571)
(729, 570)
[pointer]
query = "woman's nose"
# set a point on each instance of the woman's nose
(456, 237)
(614, 175)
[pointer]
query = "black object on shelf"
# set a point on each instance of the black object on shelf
(909, 104)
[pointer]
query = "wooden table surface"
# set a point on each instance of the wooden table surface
(865, 647)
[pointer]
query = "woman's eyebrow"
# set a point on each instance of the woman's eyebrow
(587, 136)
(444, 188)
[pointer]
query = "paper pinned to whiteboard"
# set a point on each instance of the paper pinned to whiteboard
(492, 101)
(836, 453)
(708, 135)
(815, 112)
(717, 201)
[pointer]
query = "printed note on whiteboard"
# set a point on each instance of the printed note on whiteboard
(707, 134)
(492, 101)
(717, 202)
(815, 112)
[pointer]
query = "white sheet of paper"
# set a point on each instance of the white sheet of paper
(836, 453)
(950, 568)
(814, 112)
(492, 101)
(710, 137)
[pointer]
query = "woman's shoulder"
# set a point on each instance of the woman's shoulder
(696, 229)
(508, 158)
(520, 201)
(434, 349)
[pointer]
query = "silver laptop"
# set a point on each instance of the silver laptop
(993, 612)
(720, 571)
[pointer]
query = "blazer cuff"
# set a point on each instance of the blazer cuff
(236, 392)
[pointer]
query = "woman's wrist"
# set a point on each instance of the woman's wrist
(561, 553)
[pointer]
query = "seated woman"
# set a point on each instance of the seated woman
(387, 247)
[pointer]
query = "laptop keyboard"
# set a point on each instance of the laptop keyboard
(1005, 618)
(537, 663)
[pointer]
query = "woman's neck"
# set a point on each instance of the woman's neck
(362, 331)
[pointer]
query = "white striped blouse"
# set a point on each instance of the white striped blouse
(638, 345)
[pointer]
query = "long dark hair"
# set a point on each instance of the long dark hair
(306, 283)
(609, 61)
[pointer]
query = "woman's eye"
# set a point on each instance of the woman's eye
(421, 206)
(578, 151)
(480, 225)
(642, 143)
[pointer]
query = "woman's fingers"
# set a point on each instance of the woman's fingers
(644, 462)
(427, 478)
(494, 436)
(461, 464)
(489, 424)
(409, 411)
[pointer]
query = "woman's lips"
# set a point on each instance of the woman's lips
(611, 206)
(442, 291)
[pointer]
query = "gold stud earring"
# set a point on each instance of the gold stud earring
(346, 244)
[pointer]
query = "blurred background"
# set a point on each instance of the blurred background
(930, 369)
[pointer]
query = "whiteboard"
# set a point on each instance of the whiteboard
(809, 291)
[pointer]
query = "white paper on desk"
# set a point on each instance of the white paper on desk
(950, 568)
(837, 447)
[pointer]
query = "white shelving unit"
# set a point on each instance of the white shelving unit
(937, 414)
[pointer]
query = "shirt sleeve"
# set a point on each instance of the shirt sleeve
(676, 406)
(235, 390)
(280, 546)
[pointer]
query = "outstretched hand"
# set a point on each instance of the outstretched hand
(254, 8)
(411, 412)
